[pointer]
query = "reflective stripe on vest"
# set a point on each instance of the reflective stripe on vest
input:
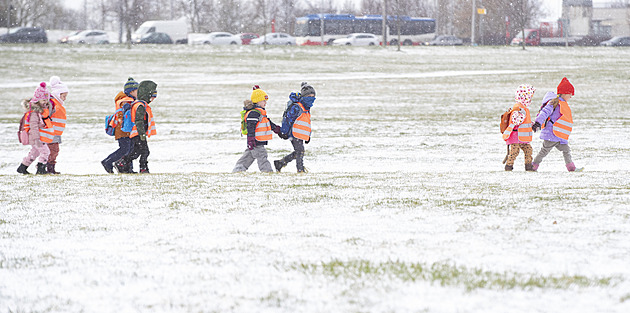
(150, 124)
(525, 132)
(58, 118)
(301, 128)
(263, 127)
(46, 134)
(564, 125)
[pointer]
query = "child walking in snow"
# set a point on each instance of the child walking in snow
(40, 131)
(518, 134)
(59, 93)
(296, 126)
(144, 126)
(259, 131)
(122, 103)
(556, 122)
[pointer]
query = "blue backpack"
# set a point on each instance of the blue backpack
(111, 122)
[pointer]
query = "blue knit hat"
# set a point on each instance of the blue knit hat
(130, 85)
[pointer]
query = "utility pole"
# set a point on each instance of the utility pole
(384, 27)
(472, 27)
(8, 15)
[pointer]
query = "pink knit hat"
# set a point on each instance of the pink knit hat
(41, 93)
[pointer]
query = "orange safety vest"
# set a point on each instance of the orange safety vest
(563, 126)
(46, 134)
(525, 132)
(263, 127)
(58, 117)
(302, 126)
(148, 118)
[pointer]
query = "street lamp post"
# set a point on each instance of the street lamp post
(472, 28)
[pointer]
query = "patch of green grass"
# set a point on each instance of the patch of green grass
(447, 274)
(625, 298)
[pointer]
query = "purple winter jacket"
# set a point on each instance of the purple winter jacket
(554, 114)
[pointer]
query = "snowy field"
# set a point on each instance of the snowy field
(406, 207)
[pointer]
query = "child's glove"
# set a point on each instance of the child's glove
(251, 142)
(143, 137)
(276, 129)
(309, 140)
(536, 127)
(283, 136)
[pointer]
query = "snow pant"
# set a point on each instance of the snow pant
(38, 149)
(54, 152)
(259, 153)
(548, 146)
(139, 148)
(297, 154)
(124, 147)
(516, 148)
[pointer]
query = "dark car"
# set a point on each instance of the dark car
(616, 42)
(25, 34)
(156, 38)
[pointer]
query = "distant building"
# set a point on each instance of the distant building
(578, 15)
(613, 17)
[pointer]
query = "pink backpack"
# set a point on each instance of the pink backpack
(22, 133)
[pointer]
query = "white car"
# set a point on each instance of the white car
(357, 39)
(218, 38)
(446, 40)
(89, 37)
(274, 39)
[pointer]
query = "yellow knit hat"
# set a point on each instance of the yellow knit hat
(258, 95)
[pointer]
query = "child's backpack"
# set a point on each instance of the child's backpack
(127, 123)
(243, 123)
(111, 122)
(22, 131)
(505, 119)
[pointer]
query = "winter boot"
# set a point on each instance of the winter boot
(50, 168)
(535, 166)
(41, 168)
(529, 167)
(509, 168)
(571, 167)
(108, 167)
(22, 169)
(129, 168)
(278, 164)
(144, 171)
(120, 166)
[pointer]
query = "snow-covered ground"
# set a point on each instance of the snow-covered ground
(406, 207)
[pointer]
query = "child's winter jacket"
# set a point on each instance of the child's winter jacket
(548, 111)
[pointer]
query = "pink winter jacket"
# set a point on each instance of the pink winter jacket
(35, 122)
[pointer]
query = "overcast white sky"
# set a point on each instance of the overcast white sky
(553, 7)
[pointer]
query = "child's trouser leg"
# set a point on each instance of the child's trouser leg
(32, 155)
(566, 152)
(514, 151)
(298, 146)
(144, 154)
(244, 162)
(527, 149)
(54, 152)
(260, 154)
(546, 147)
(44, 153)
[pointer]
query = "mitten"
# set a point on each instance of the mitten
(536, 127)
(251, 142)
(283, 136)
(309, 140)
(275, 129)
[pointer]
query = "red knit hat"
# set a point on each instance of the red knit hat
(565, 87)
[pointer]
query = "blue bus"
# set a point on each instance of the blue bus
(413, 30)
